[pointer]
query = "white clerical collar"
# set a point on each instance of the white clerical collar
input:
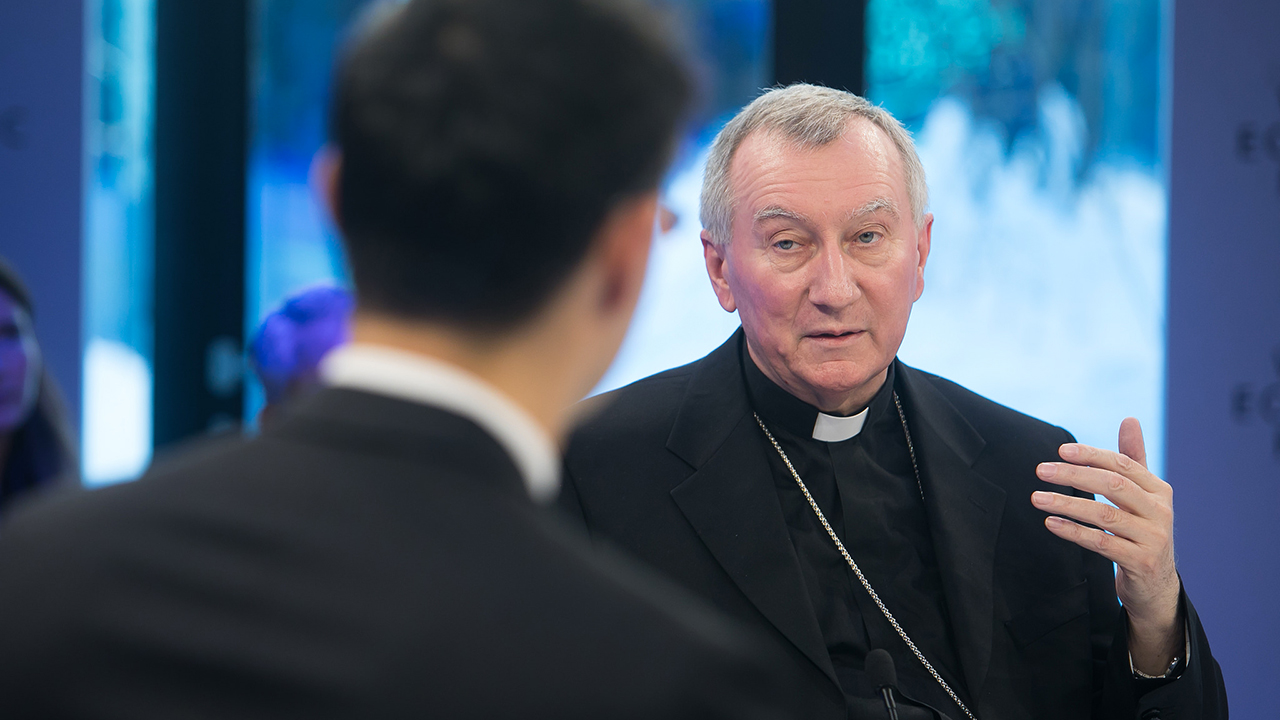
(831, 428)
(421, 379)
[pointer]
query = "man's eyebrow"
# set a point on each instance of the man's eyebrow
(876, 205)
(774, 211)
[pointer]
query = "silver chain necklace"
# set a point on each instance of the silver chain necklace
(849, 558)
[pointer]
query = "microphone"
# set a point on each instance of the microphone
(879, 667)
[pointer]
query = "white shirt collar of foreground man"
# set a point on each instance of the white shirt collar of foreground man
(418, 378)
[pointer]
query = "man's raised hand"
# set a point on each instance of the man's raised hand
(1136, 534)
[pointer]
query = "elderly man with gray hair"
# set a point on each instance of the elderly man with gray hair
(808, 483)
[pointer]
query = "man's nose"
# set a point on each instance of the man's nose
(834, 283)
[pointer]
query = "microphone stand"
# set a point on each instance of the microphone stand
(886, 692)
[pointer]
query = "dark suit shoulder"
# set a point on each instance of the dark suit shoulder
(648, 404)
(630, 425)
(45, 516)
(994, 421)
(334, 575)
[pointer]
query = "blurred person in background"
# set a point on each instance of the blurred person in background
(36, 446)
(388, 548)
(288, 346)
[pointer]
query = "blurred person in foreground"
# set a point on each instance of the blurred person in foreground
(809, 483)
(387, 550)
(36, 449)
(290, 343)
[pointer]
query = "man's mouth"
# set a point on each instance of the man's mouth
(835, 335)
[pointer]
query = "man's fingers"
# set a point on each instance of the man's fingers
(1116, 549)
(1113, 486)
(1122, 464)
(1131, 442)
(1109, 518)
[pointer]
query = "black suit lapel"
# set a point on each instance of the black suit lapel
(964, 511)
(732, 504)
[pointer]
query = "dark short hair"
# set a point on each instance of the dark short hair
(484, 141)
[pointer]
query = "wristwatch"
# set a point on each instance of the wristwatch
(1175, 667)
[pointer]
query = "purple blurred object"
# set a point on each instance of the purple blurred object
(289, 344)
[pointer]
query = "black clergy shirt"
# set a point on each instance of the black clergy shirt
(867, 488)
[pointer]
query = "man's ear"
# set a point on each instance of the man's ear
(324, 177)
(626, 237)
(717, 261)
(924, 240)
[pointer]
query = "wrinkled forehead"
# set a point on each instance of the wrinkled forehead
(768, 152)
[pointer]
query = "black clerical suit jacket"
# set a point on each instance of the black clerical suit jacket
(366, 558)
(676, 470)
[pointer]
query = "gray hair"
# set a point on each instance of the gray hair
(810, 117)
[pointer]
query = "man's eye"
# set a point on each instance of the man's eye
(785, 244)
(868, 237)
